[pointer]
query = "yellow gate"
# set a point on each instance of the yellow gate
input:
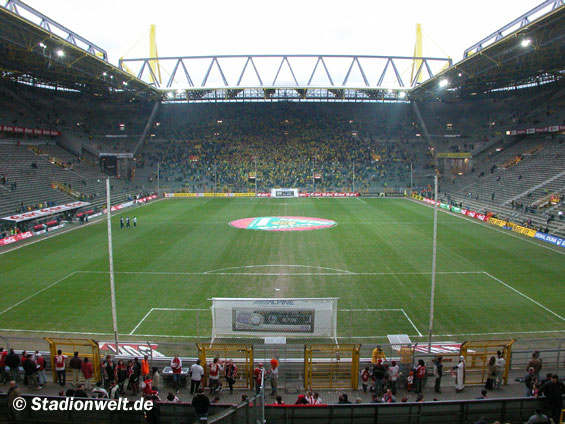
(331, 366)
(241, 354)
(86, 348)
(477, 355)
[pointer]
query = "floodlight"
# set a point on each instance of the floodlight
(104, 73)
(443, 83)
(125, 83)
(526, 42)
(60, 53)
(42, 45)
(402, 94)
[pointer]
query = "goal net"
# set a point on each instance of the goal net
(260, 317)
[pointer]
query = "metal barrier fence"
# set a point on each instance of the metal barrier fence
(294, 376)
(455, 412)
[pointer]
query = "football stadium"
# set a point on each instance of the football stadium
(282, 238)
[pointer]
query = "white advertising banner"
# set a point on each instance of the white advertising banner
(39, 213)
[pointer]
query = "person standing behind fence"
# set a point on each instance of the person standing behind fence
(491, 373)
(274, 376)
(31, 372)
(500, 366)
(76, 364)
(438, 373)
(379, 374)
(108, 368)
(87, 373)
(176, 366)
(196, 373)
(258, 376)
(535, 363)
(393, 374)
(215, 370)
(3, 374)
(420, 375)
(60, 368)
(144, 367)
(231, 373)
(156, 377)
(529, 381)
(13, 361)
(460, 375)
(40, 363)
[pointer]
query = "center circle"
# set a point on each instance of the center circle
(283, 223)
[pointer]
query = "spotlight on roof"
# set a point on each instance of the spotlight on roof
(104, 74)
(170, 94)
(60, 53)
(402, 94)
(526, 42)
(125, 83)
(443, 83)
(42, 45)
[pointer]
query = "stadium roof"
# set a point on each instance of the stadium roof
(46, 53)
(533, 54)
(36, 50)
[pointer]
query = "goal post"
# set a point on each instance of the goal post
(266, 317)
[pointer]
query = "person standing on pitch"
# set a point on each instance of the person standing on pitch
(134, 221)
(127, 222)
(122, 222)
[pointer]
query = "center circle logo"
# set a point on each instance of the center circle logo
(283, 223)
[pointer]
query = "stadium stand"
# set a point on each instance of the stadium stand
(290, 143)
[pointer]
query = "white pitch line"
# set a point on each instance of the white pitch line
(361, 200)
(180, 309)
(369, 310)
(523, 295)
(489, 226)
(348, 273)
(278, 266)
(410, 321)
(36, 293)
(139, 323)
(162, 309)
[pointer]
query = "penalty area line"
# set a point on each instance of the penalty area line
(161, 309)
(37, 292)
(410, 321)
(523, 295)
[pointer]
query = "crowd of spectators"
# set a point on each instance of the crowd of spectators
(289, 145)
(119, 376)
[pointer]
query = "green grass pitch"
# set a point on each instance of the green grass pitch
(490, 283)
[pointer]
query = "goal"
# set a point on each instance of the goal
(266, 317)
